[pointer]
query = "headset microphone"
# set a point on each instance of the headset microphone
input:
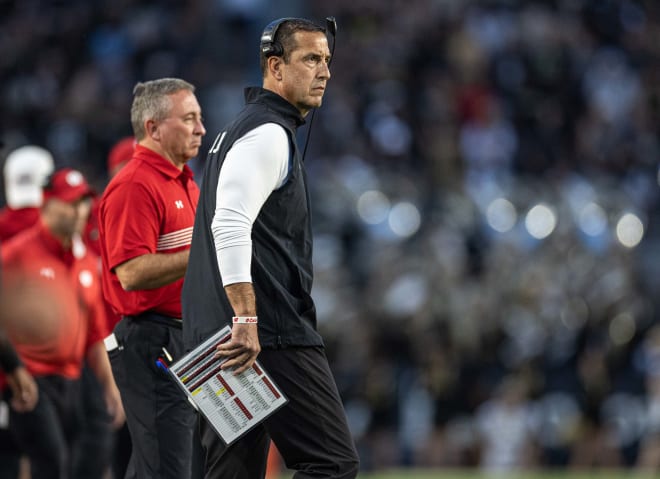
(331, 26)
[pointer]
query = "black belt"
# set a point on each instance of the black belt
(158, 318)
(112, 343)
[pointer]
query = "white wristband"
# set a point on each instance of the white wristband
(244, 320)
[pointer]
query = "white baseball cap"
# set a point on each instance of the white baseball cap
(26, 169)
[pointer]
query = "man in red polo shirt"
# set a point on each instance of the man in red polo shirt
(58, 329)
(24, 171)
(146, 219)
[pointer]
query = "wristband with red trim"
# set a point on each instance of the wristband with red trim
(244, 320)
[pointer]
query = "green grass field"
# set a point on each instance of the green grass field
(468, 474)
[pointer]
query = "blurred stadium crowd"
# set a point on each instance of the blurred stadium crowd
(485, 183)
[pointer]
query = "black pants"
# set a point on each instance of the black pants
(310, 431)
(121, 452)
(159, 417)
(96, 431)
(49, 434)
(10, 454)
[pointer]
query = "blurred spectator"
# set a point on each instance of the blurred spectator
(23, 389)
(20, 390)
(120, 154)
(25, 170)
(648, 361)
(48, 260)
(504, 428)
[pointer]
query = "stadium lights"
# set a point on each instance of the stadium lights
(404, 219)
(592, 219)
(622, 328)
(629, 230)
(541, 221)
(501, 215)
(373, 207)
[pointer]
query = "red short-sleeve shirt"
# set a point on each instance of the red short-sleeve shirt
(65, 287)
(148, 207)
(13, 221)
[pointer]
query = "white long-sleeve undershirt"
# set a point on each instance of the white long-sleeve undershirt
(255, 166)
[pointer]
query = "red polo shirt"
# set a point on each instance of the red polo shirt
(13, 221)
(148, 207)
(67, 293)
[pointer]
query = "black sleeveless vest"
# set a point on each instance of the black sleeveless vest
(281, 243)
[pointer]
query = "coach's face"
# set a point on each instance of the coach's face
(180, 134)
(303, 79)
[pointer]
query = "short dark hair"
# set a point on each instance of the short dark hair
(284, 36)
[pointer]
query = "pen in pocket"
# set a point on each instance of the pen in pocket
(167, 354)
(161, 364)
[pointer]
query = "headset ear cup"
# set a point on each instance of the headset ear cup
(276, 50)
(272, 50)
(269, 46)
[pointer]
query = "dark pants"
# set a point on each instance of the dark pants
(310, 431)
(10, 454)
(49, 433)
(159, 417)
(96, 431)
(121, 451)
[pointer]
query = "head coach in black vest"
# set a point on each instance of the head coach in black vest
(251, 265)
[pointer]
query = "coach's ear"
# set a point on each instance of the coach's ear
(151, 127)
(275, 67)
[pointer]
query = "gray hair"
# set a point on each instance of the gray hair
(151, 101)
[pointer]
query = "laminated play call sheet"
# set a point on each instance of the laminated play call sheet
(232, 404)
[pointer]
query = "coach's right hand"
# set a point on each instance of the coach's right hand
(243, 348)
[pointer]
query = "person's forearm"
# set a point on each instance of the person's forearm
(242, 299)
(97, 359)
(151, 271)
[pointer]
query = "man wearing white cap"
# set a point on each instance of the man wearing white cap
(48, 262)
(25, 170)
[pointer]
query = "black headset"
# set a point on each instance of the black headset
(269, 47)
